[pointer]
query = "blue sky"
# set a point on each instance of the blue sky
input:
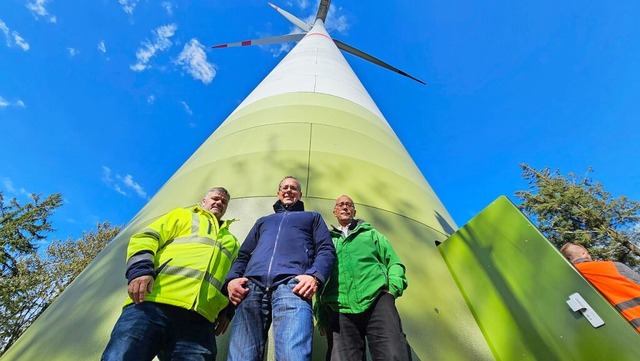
(102, 101)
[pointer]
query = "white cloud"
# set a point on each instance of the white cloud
(130, 183)
(106, 174)
(194, 60)
(149, 49)
(5, 30)
(120, 182)
(168, 7)
(5, 103)
(8, 185)
(186, 107)
(38, 10)
(106, 179)
(20, 41)
(102, 47)
(151, 99)
(282, 48)
(11, 189)
(73, 52)
(13, 37)
(129, 5)
(303, 4)
(336, 21)
(119, 190)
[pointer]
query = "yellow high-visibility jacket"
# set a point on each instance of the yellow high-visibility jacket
(191, 254)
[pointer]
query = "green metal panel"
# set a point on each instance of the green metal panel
(516, 284)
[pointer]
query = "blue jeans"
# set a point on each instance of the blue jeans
(172, 333)
(292, 318)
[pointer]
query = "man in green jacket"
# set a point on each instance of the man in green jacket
(358, 300)
(175, 270)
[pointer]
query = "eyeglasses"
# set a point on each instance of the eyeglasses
(344, 204)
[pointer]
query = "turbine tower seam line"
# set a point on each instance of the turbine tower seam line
(309, 158)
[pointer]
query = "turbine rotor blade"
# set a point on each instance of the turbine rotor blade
(361, 54)
(289, 38)
(294, 20)
(323, 9)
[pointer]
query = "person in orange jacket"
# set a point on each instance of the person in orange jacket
(618, 283)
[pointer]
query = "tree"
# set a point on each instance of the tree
(67, 259)
(32, 280)
(578, 209)
(21, 226)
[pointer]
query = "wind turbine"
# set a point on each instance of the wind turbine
(311, 117)
(306, 28)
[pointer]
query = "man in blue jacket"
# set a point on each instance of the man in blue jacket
(281, 263)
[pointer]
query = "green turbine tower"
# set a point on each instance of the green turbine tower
(311, 117)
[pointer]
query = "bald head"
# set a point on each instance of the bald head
(344, 210)
(574, 252)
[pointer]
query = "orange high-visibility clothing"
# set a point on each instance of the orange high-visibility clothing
(620, 291)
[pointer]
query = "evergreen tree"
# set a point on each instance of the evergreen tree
(21, 226)
(578, 209)
(29, 280)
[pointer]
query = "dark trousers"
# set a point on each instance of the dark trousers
(381, 327)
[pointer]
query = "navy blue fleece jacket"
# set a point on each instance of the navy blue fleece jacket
(283, 245)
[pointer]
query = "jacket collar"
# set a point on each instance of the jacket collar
(580, 260)
(222, 223)
(279, 207)
(353, 225)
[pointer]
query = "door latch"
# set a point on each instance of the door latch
(578, 304)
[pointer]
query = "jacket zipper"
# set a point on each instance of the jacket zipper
(275, 245)
(195, 300)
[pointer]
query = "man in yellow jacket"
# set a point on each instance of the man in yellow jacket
(175, 270)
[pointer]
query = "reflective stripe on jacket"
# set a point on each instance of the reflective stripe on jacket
(621, 292)
(191, 254)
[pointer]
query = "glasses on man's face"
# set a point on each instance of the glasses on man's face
(344, 204)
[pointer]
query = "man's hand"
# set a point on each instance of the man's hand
(236, 290)
(221, 323)
(307, 286)
(138, 287)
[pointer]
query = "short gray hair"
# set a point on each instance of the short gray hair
(290, 177)
(220, 190)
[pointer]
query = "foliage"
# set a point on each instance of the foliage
(578, 209)
(36, 280)
(65, 260)
(21, 226)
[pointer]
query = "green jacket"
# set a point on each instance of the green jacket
(191, 253)
(366, 265)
